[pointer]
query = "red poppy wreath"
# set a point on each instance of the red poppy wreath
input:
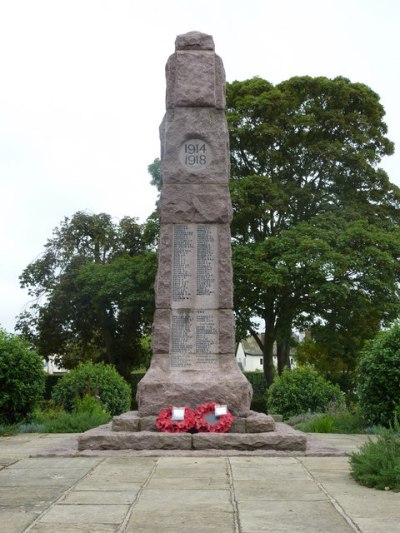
(165, 422)
(207, 421)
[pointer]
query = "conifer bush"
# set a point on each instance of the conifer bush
(99, 380)
(22, 378)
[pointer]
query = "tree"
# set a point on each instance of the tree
(92, 291)
(316, 237)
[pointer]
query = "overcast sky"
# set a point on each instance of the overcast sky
(82, 92)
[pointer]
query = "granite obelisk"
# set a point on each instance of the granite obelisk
(193, 330)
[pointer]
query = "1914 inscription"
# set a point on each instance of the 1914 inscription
(195, 154)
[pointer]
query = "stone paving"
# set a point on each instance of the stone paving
(235, 494)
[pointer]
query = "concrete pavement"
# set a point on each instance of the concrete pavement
(233, 494)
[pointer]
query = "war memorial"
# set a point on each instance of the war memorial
(193, 339)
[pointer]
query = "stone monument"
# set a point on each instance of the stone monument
(193, 331)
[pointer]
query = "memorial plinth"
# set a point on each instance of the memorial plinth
(193, 330)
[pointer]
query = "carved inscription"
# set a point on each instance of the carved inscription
(206, 332)
(195, 154)
(195, 266)
(206, 271)
(194, 338)
(183, 251)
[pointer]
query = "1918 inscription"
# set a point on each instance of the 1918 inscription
(195, 154)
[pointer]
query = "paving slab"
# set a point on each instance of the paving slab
(117, 474)
(181, 522)
(28, 497)
(43, 477)
(268, 468)
(15, 520)
(288, 516)
(86, 514)
(53, 527)
(213, 467)
(378, 525)
(101, 497)
(189, 483)
(278, 489)
(153, 500)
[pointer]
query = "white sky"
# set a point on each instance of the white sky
(82, 93)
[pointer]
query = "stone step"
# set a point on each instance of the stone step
(284, 438)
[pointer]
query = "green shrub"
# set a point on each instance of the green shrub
(259, 404)
(347, 423)
(300, 390)
(377, 464)
(88, 413)
(92, 379)
(379, 377)
(258, 383)
(21, 378)
(51, 381)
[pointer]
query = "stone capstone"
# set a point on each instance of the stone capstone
(194, 40)
(195, 74)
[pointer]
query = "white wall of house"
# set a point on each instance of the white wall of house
(51, 368)
(248, 362)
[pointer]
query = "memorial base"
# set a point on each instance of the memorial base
(191, 388)
(130, 431)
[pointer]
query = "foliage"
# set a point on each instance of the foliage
(100, 380)
(92, 292)
(333, 368)
(379, 377)
(21, 378)
(300, 390)
(345, 423)
(50, 383)
(87, 413)
(315, 225)
(377, 464)
(6, 430)
(259, 385)
(257, 381)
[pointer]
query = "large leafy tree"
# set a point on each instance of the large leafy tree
(92, 292)
(316, 237)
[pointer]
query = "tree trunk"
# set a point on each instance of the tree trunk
(268, 361)
(283, 355)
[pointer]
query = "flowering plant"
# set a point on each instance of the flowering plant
(207, 421)
(165, 422)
